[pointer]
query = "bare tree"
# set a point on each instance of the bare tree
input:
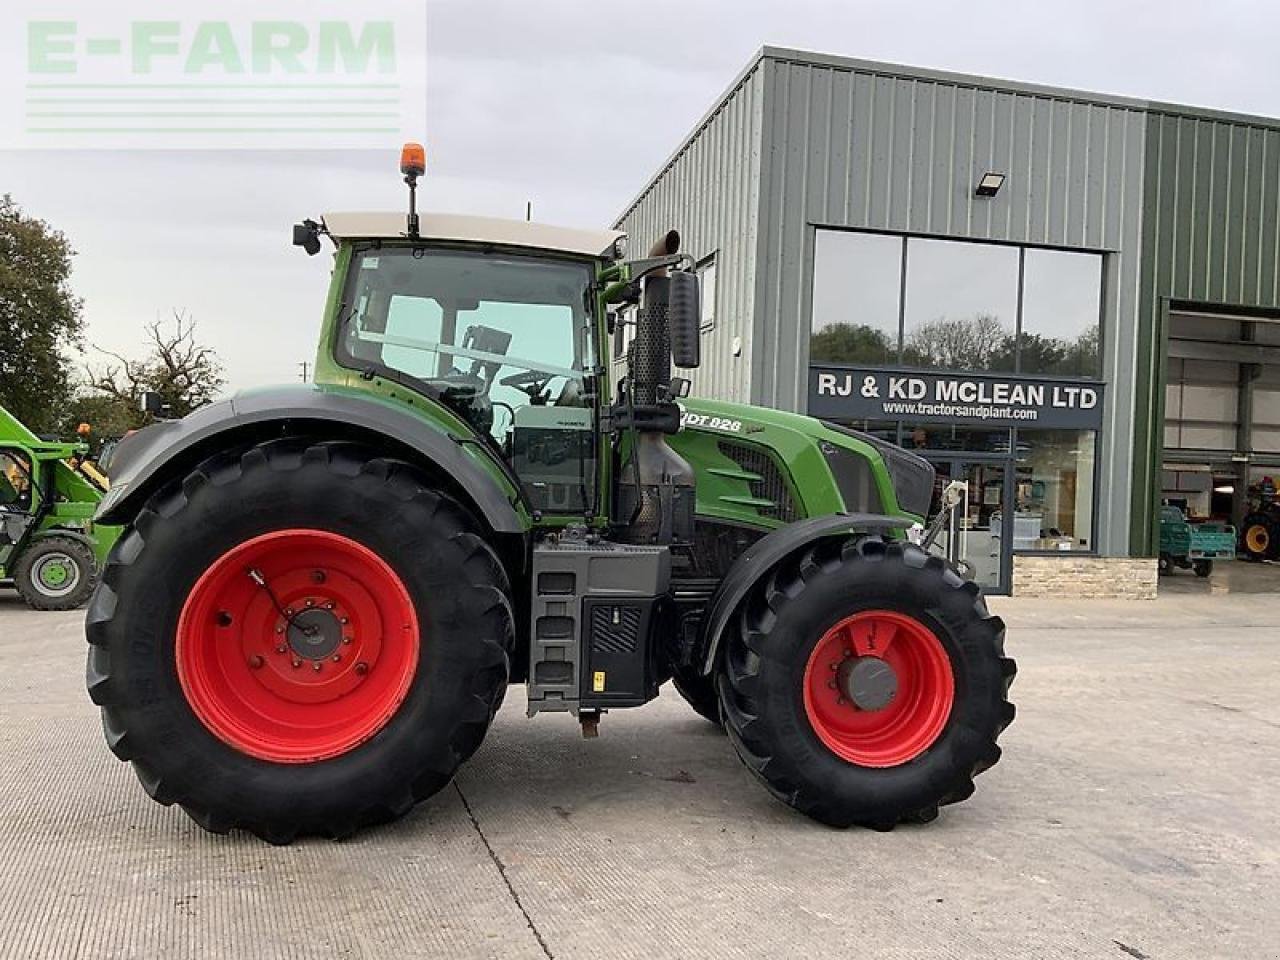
(185, 373)
(957, 343)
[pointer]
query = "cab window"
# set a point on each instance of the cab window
(15, 481)
(504, 341)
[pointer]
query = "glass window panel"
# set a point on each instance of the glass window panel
(961, 306)
(856, 287)
(1061, 307)
(1053, 490)
(707, 301)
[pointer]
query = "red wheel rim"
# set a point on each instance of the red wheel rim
(884, 644)
(308, 663)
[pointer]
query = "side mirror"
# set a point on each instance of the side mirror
(684, 319)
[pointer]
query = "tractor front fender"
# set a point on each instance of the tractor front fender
(146, 460)
(756, 562)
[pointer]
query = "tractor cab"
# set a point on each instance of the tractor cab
(497, 322)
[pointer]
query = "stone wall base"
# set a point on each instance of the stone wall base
(1070, 577)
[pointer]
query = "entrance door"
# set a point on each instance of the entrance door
(981, 532)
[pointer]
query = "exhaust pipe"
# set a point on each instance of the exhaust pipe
(656, 486)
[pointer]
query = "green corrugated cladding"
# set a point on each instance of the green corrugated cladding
(1210, 236)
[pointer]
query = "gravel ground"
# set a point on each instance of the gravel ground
(1134, 815)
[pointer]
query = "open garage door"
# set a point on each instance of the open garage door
(1222, 421)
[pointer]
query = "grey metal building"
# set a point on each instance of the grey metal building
(1064, 291)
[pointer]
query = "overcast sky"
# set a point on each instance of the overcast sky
(573, 104)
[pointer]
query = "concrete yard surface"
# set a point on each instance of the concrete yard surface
(1134, 815)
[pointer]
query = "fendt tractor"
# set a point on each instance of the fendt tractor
(50, 549)
(323, 591)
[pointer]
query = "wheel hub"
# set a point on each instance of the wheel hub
(54, 573)
(315, 634)
(305, 661)
(868, 682)
(878, 688)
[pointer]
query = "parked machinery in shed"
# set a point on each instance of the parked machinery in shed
(1260, 531)
(324, 590)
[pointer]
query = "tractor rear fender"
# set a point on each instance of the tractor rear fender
(146, 460)
(765, 554)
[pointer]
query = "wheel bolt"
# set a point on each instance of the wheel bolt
(346, 640)
(329, 605)
(343, 620)
(362, 668)
(316, 667)
(831, 684)
(296, 663)
(848, 653)
(280, 648)
(337, 658)
(840, 700)
(310, 603)
(288, 611)
(835, 666)
(255, 662)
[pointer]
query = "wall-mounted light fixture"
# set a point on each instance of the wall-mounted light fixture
(990, 184)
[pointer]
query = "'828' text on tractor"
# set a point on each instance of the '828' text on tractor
(324, 591)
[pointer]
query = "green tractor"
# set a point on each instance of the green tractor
(50, 548)
(323, 591)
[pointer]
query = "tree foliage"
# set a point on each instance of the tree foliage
(40, 318)
(979, 343)
(852, 343)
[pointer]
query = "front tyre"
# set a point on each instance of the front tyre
(866, 683)
(56, 573)
(298, 640)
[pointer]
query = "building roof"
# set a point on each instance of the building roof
(880, 68)
(464, 229)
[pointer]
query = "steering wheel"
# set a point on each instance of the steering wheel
(524, 379)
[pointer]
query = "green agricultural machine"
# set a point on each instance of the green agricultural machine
(50, 548)
(323, 592)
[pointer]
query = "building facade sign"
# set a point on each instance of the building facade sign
(878, 393)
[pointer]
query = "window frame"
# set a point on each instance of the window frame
(904, 237)
(598, 368)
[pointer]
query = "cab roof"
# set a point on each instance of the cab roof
(464, 229)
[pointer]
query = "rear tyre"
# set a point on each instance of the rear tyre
(298, 640)
(865, 683)
(56, 573)
(700, 693)
(1203, 568)
(1258, 538)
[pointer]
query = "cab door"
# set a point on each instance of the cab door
(17, 501)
